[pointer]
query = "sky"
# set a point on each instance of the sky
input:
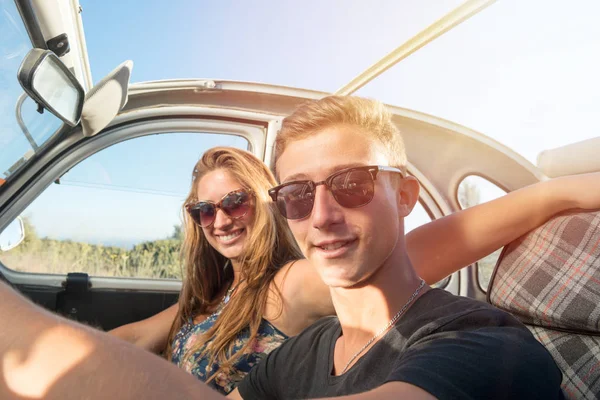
(525, 73)
(521, 72)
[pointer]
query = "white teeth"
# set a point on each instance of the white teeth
(225, 238)
(333, 246)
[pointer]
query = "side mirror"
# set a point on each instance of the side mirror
(50, 83)
(13, 235)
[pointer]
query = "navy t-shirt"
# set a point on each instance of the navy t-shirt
(450, 346)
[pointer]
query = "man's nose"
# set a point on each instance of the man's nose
(326, 210)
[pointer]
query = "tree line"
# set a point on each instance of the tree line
(158, 259)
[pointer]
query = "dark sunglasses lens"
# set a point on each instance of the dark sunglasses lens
(203, 214)
(353, 188)
(236, 205)
(194, 214)
(295, 201)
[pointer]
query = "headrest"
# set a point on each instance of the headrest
(574, 158)
(550, 277)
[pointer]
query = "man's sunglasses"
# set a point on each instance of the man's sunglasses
(235, 204)
(351, 188)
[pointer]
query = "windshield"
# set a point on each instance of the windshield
(22, 129)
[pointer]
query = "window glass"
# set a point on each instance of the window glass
(23, 130)
(475, 190)
(416, 218)
(116, 213)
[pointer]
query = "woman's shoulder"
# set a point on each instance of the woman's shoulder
(293, 268)
(303, 291)
(298, 267)
(301, 262)
(296, 276)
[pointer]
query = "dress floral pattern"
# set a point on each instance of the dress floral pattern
(267, 340)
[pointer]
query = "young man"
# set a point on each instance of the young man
(345, 193)
(393, 337)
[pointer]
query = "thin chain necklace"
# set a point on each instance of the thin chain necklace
(389, 324)
(227, 297)
(230, 291)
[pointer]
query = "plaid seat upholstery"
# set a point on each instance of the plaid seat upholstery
(550, 280)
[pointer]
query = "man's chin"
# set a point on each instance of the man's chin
(339, 272)
(345, 279)
(339, 281)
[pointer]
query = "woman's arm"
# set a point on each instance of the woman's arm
(151, 333)
(448, 244)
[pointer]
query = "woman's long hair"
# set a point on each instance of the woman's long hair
(269, 246)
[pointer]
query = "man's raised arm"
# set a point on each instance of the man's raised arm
(46, 356)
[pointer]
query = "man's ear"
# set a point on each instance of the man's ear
(408, 195)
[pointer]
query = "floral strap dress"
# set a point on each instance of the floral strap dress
(267, 340)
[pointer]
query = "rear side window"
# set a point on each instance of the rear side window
(474, 190)
(116, 213)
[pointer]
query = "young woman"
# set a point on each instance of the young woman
(247, 288)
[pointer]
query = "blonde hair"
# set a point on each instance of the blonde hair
(371, 116)
(269, 246)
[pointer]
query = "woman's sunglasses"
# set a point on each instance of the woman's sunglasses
(235, 204)
(351, 188)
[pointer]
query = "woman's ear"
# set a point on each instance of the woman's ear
(408, 195)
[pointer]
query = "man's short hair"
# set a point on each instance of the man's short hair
(371, 116)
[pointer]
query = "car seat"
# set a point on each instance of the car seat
(550, 280)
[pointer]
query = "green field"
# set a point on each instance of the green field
(157, 259)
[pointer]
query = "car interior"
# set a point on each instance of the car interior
(58, 166)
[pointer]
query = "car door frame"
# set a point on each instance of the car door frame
(88, 298)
